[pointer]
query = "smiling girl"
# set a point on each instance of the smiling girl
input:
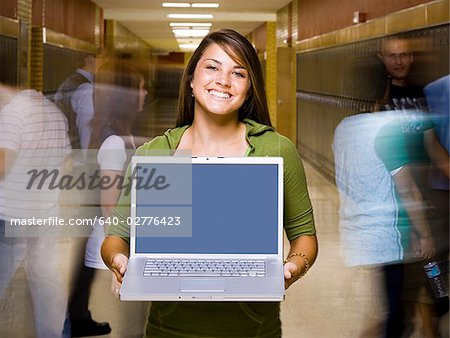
(222, 111)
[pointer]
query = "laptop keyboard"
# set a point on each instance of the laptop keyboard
(204, 268)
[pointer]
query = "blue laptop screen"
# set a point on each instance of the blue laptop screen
(208, 208)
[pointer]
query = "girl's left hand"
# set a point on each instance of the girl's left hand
(291, 274)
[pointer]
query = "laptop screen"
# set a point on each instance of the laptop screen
(209, 208)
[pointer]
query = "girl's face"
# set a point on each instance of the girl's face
(142, 95)
(219, 85)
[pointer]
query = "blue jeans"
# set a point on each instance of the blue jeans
(47, 289)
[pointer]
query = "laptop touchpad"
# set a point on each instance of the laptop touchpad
(202, 285)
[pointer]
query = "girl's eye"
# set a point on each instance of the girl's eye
(238, 74)
(211, 67)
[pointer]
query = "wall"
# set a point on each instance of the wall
(8, 60)
(264, 40)
(9, 43)
(338, 73)
(286, 34)
(259, 38)
(75, 18)
(320, 17)
(129, 48)
(126, 46)
(73, 25)
(8, 8)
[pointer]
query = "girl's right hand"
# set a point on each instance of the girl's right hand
(119, 266)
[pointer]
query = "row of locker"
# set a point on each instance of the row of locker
(354, 70)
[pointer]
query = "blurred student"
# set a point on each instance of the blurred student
(438, 97)
(400, 93)
(380, 204)
(408, 100)
(119, 97)
(431, 309)
(33, 136)
(75, 99)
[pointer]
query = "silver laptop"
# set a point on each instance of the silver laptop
(205, 229)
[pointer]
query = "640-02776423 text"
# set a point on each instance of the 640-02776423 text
(61, 221)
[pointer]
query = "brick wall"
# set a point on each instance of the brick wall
(24, 10)
(37, 59)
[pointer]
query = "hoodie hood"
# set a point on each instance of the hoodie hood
(255, 128)
(173, 136)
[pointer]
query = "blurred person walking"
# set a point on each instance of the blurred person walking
(75, 97)
(379, 202)
(33, 135)
(424, 149)
(119, 98)
(438, 98)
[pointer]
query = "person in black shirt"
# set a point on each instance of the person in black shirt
(402, 95)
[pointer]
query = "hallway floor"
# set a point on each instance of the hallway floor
(330, 301)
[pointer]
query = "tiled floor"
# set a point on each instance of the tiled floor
(330, 301)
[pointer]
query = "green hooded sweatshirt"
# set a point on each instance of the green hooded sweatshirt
(229, 319)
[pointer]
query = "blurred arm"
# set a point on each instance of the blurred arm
(414, 206)
(437, 153)
(109, 197)
(2, 163)
(7, 157)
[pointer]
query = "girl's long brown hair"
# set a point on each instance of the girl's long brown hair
(241, 51)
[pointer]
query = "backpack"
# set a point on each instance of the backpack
(63, 99)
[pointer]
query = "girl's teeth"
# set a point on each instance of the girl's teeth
(219, 94)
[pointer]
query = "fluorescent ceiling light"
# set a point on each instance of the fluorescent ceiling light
(176, 4)
(205, 5)
(190, 32)
(188, 40)
(190, 16)
(194, 42)
(189, 46)
(190, 24)
(188, 28)
(194, 4)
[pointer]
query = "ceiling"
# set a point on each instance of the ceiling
(148, 19)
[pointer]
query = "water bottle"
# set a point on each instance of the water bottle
(436, 279)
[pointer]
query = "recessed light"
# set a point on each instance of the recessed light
(190, 16)
(189, 46)
(205, 5)
(176, 4)
(190, 32)
(190, 24)
(194, 4)
(188, 40)
(188, 28)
